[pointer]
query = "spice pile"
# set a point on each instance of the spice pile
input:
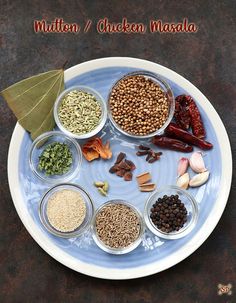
(117, 225)
(168, 213)
(94, 148)
(197, 164)
(139, 105)
(79, 112)
(66, 210)
(187, 115)
(123, 167)
(102, 187)
(151, 156)
(143, 182)
(56, 159)
(177, 137)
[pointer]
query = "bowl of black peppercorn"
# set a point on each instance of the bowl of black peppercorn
(171, 212)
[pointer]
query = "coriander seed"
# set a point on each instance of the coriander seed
(139, 105)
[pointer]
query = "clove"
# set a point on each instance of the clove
(151, 155)
(183, 181)
(143, 147)
(199, 179)
(196, 162)
(153, 160)
(182, 166)
(142, 153)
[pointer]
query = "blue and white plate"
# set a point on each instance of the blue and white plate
(154, 254)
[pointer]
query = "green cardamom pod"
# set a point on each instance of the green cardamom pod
(106, 186)
(102, 192)
(99, 184)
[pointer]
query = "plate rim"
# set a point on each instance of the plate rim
(141, 271)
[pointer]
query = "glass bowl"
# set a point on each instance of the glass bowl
(41, 143)
(98, 98)
(167, 90)
(112, 250)
(88, 217)
(190, 204)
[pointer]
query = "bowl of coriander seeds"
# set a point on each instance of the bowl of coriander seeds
(80, 112)
(141, 104)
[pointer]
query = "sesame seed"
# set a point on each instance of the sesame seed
(66, 210)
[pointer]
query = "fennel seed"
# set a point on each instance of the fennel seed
(79, 112)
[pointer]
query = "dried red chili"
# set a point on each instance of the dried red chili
(187, 114)
(173, 144)
(174, 131)
(196, 121)
(181, 115)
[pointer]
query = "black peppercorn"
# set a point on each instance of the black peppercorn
(168, 213)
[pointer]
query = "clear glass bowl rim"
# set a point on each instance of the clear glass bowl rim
(118, 251)
(183, 231)
(99, 98)
(53, 231)
(159, 79)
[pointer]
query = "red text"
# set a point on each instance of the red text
(56, 26)
(181, 27)
(104, 26)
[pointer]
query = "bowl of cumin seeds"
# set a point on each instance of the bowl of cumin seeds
(117, 227)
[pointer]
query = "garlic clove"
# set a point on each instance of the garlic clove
(199, 179)
(196, 162)
(182, 166)
(183, 181)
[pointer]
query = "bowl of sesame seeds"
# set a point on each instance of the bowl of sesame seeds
(117, 227)
(141, 104)
(66, 210)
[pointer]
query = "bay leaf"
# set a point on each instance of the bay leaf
(32, 100)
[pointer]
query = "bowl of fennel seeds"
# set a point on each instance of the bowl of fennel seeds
(80, 112)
